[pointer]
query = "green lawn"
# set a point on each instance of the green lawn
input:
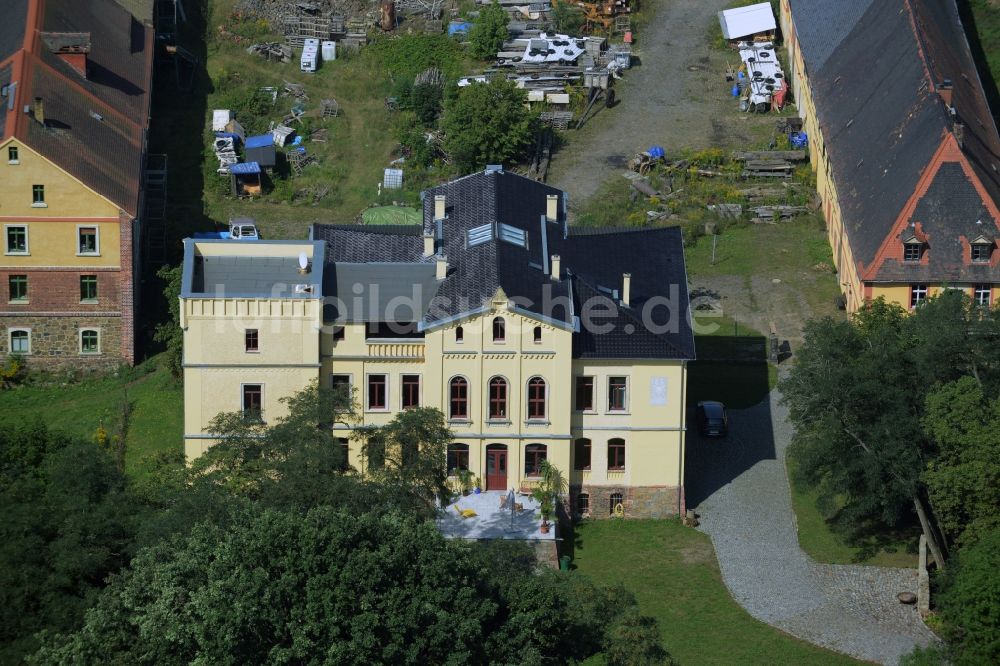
(79, 408)
(673, 573)
(824, 544)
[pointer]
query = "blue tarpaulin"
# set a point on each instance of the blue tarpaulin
(260, 141)
(223, 135)
(459, 26)
(799, 140)
(244, 168)
(656, 151)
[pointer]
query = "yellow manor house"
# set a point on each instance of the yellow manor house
(536, 340)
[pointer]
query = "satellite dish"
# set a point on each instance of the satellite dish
(303, 261)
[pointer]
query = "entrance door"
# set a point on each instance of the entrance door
(496, 467)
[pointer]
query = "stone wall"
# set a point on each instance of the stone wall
(638, 501)
(55, 342)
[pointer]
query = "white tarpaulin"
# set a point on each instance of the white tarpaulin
(764, 75)
(555, 48)
(745, 21)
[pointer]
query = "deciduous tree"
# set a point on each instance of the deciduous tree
(487, 123)
(489, 32)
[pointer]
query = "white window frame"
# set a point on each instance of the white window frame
(388, 397)
(80, 341)
(27, 240)
(420, 389)
(97, 230)
(978, 289)
(10, 340)
(607, 396)
(922, 288)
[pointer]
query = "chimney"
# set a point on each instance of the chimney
(958, 129)
(552, 207)
(71, 47)
(439, 201)
(556, 267)
(442, 267)
(428, 244)
(39, 110)
(626, 288)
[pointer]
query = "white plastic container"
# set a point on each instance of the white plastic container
(329, 50)
(308, 62)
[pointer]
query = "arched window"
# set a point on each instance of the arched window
(534, 456)
(616, 454)
(537, 334)
(459, 334)
(536, 398)
(499, 329)
(458, 457)
(616, 499)
(583, 504)
(581, 454)
(459, 398)
(498, 398)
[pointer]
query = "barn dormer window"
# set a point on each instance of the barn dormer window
(912, 249)
(982, 248)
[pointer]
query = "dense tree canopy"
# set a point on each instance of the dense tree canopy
(66, 524)
(857, 397)
(970, 603)
(487, 123)
(489, 32)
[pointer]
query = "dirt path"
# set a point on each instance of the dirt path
(676, 97)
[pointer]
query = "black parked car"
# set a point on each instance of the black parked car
(712, 419)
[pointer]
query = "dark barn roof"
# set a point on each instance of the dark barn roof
(592, 266)
(95, 124)
(878, 73)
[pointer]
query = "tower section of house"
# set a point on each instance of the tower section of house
(251, 314)
(906, 152)
(75, 83)
(536, 340)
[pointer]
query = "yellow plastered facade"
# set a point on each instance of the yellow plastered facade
(293, 352)
(53, 241)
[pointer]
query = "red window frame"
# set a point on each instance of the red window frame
(617, 388)
(251, 340)
(377, 391)
(498, 398)
(458, 457)
(411, 391)
(616, 454)
(534, 455)
(459, 398)
(253, 400)
(536, 398)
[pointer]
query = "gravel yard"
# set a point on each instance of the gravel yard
(676, 98)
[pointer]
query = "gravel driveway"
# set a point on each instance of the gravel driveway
(739, 487)
(675, 98)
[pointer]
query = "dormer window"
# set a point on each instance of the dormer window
(982, 248)
(912, 249)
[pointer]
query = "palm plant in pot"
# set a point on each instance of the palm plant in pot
(547, 492)
(465, 480)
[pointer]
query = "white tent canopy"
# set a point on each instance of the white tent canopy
(745, 21)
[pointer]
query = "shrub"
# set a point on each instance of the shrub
(970, 603)
(489, 32)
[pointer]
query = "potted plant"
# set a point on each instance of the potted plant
(549, 488)
(478, 483)
(465, 480)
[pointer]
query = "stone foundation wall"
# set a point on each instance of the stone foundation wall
(55, 342)
(638, 501)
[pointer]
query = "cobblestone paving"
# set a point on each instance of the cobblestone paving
(739, 487)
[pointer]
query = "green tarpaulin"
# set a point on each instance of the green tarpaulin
(391, 215)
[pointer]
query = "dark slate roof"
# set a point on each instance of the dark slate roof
(874, 70)
(95, 126)
(360, 244)
(389, 291)
(12, 27)
(593, 262)
(951, 210)
(821, 25)
(5, 78)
